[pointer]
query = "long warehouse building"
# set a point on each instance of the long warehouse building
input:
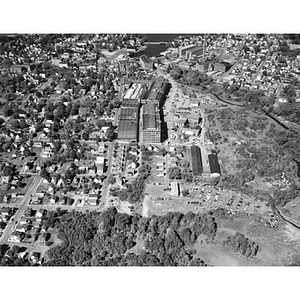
(151, 124)
(214, 164)
(197, 167)
(129, 121)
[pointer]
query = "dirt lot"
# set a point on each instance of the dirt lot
(204, 198)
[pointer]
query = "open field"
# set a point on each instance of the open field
(276, 245)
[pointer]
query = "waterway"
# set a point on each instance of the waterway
(156, 49)
(298, 165)
(161, 38)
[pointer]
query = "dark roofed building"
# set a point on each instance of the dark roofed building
(196, 157)
(161, 84)
(130, 103)
(128, 121)
(221, 66)
(155, 96)
(151, 124)
(214, 164)
(157, 91)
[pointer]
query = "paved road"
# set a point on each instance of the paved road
(64, 207)
(106, 185)
(9, 228)
(258, 71)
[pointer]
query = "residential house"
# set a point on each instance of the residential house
(93, 199)
(5, 179)
(17, 236)
(5, 211)
(40, 213)
(21, 228)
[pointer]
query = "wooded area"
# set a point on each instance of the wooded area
(109, 239)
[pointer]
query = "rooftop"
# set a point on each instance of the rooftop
(214, 164)
(145, 59)
(197, 167)
(128, 124)
(130, 103)
(150, 116)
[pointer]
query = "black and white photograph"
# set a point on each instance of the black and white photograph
(148, 148)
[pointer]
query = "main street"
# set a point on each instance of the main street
(26, 199)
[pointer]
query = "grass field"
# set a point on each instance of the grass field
(276, 245)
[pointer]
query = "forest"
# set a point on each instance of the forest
(110, 238)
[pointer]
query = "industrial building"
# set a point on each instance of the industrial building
(204, 67)
(157, 91)
(146, 63)
(150, 123)
(197, 167)
(221, 67)
(214, 164)
(195, 53)
(192, 51)
(129, 121)
(175, 191)
(182, 50)
(136, 91)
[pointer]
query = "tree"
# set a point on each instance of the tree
(70, 201)
(110, 133)
(214, 181)
(289, 91)
(27, 152)
(85, 135)
(45, 174)
(111, 179)
(185, 193)
(256, 49)
(9, 170)
(101, 123)
(174, 173)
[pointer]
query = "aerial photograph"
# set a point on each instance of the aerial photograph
(137, 150)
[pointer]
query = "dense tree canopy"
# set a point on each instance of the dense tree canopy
(110, 238)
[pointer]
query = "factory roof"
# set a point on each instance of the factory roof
(150, 116)
(197, 167)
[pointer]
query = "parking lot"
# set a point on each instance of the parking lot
(204, 198)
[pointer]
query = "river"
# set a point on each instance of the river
(156, 49)
(162, 38)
